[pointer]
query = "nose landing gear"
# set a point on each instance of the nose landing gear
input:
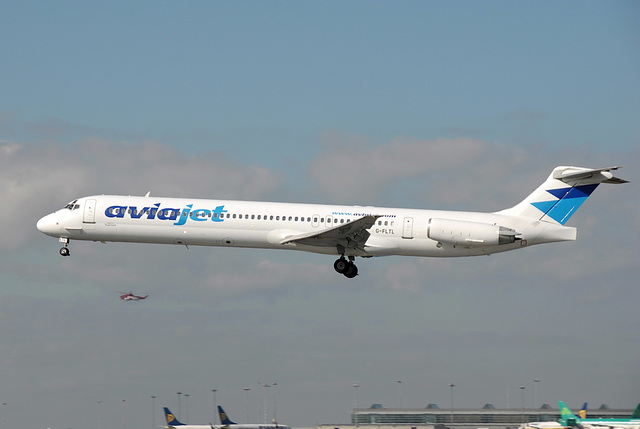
(346, 268)
(64, 251)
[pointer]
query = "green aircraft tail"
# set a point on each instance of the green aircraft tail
(567, 418)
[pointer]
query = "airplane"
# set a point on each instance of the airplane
(173, 422)
(228, 424)
(346, 231)
(569, 419)
(552, 424)
(131, 297)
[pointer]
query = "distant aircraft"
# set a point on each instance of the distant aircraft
(131, 297)
(552, 424)
(172, 421)
(569, 419)
(346, 231)
(228, 424)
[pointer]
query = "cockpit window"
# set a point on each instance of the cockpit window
(72, 205)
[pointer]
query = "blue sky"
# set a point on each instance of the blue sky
(457, 105)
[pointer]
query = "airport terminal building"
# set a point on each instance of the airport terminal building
(434, 417)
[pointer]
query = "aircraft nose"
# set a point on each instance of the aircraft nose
(48, 225)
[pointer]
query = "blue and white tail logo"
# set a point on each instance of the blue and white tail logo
(565, 203)
(562, 194)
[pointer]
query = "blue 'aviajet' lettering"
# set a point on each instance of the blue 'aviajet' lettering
(153, 211)
(135, 214)
(185, 215)
(217, 214)
(119, 211)
(168, 214)
(198, 215)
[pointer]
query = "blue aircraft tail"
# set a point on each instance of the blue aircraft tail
(171, 419)
(636, 413)
(224, 419)
(583, 411)
(562, 194)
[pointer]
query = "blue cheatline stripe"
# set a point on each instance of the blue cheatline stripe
(569, 201)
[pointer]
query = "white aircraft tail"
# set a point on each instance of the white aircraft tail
(562, 194)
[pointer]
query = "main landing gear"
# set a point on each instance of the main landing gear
(346, 268)
(64, 251)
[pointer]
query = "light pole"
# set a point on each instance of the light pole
(522, 389)
(355, 408)
(275, 416)
(535, 393)
(186, 408)
(451, 385)
(153, 411)
(124, 403)
(215, 406)
(399, 393)
(246, 404)
(179, 394)
(264, 402)
(100, 414)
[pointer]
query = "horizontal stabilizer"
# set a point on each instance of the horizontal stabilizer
(591, 175)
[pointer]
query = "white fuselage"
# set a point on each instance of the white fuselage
(269, 225)
(611, 423)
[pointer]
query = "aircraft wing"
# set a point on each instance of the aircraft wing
(351, 235)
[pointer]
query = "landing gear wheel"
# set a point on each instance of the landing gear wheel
(65, 251)
(351, 271)
(340, 265)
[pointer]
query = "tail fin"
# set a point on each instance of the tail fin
(562, 194)
(636, 413)
(171, 419)
(224, 419)
(583, 411)
(567, 418)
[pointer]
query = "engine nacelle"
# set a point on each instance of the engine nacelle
(467, 233)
